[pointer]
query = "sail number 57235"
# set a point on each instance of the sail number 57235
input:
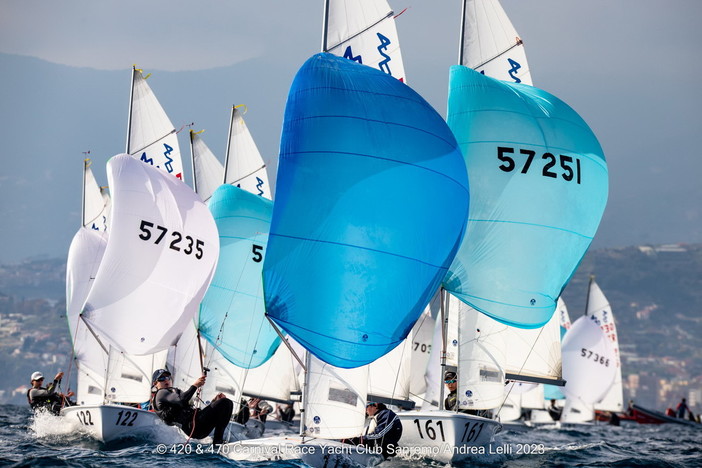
(552, 166)
(178, 242)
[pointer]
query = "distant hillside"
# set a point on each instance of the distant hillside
(654, 292)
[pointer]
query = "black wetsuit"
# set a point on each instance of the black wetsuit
(451, 404)
(173, 406)
(41, 397)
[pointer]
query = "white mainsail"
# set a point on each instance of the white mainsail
(336, 400)
(207, 170)
(490, 44)
(243, 164)
(599, 309)
(96, 201)
(159, 260)
(151, 137)
(363, 31)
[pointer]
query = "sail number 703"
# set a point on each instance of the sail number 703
(552, 166)
(150, 231)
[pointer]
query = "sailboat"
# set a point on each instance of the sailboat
(157, 263)
(582, 396)
(526, 152)
(343, 276)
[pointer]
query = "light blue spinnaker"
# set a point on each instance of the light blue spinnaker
(245, 338)
(371, 205)
(538, 183)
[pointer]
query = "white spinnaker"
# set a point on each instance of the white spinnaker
(159, 260)
(207, 170)
(600, 311)
(335, 400)
(244, 165)
(490, 44)
(481, 360)
(84, 257)
(151, 137)
(96, 202)
(534, 352)
(588, 362)
(364, 31)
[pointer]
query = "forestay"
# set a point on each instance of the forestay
(538, 190)
(151, 137)
(232, 314)
(364, 31)
(490, 44)
(371, 200)
(159, 260)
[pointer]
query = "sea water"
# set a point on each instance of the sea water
(29, 441)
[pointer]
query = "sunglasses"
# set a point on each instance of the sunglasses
(450, 381)
(164, 378)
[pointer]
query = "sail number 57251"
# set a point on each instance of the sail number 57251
(552, 166)
(178, 242)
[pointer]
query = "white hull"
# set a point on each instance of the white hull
(107, 423)
(446, 436)
(313, 452)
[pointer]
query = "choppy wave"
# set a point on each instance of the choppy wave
(45, 440)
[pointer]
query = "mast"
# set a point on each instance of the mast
(444, 331)
(229, 142)
(86, 165)
(192, 162)
(463, 32)
(325, 25)
(129, 118)
(587, 298)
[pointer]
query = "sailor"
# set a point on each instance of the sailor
(259, 409)
(554, 411)
(681, 408)
(173, 407)
(384, 434)
(40, 397)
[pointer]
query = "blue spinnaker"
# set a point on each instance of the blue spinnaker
(538, 183)
(371, 205)
(232, 314)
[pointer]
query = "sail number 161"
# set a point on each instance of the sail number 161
(551, 165)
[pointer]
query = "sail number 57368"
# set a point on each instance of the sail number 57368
(552, 166)
(178, 242)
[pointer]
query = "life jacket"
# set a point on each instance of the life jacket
(172, 414)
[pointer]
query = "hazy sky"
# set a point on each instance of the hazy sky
(631, 68)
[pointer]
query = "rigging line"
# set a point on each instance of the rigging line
(247, 175)
(541, 330)
(499, 54)
(389, 15)
(292, 351)
(134, 152)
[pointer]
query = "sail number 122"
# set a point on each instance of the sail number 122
(553, 166)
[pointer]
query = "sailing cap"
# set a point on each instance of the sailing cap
(448, 375)
(159, 373)
(37, 375)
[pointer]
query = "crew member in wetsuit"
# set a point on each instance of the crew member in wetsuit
(554, 411)
(40, 397)
(387, 431)
(173, 407)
